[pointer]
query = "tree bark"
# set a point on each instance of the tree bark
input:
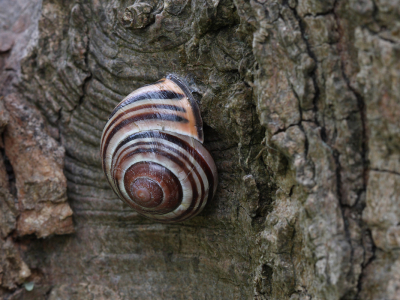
(301, 106)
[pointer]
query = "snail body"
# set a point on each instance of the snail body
(152, 152)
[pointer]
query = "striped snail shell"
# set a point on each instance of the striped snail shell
(152, 152)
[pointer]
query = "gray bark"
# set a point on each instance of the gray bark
(300, 101)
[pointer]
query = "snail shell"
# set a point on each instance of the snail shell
(152, 152)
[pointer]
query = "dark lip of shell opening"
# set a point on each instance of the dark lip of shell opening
(193, 103)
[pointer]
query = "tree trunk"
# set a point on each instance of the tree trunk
(301, 106)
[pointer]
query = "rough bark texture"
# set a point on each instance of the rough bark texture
(301, 105)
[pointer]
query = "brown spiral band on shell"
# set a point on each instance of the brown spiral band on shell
(152, 153)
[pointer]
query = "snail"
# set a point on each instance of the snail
(152, 152)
